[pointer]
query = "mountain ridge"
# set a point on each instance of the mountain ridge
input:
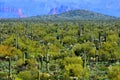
(71, 15)
(75, 15)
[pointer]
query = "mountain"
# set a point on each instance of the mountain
(74, 15)
(58, 10)
(8, 11)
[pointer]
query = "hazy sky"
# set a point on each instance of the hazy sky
(42, 7)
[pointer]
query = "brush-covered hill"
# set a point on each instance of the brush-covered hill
(74, 15)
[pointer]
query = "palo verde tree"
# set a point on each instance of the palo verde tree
(9, 53)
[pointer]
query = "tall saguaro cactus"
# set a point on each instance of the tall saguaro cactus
(47, 57)
(80, 30)
(16, 39)
(38, 70)
(9, 75)
(99, 36)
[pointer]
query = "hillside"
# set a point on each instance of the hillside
(74, 15)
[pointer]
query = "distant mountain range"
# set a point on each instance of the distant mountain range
(59, 10)
(28, 8)
(7, 11)
(73, 15)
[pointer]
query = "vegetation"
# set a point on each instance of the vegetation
(69, 50)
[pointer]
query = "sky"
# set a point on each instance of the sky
(26, 8)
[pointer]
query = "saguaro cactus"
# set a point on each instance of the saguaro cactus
(47, 57)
